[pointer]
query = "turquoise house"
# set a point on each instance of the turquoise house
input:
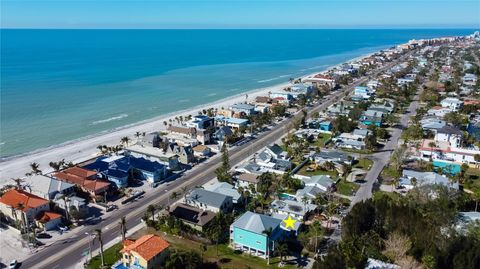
(247, 234)
(326, 126)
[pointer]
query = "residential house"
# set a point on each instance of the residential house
(113, 168)
(439, 111)
(274, 159)
(284, 95)
(300, 88)
(309, 192)
(292, 208)
(432, 124)
(378, 264)
(20, 205)
(247, 234)
(185, 153)
(245, 180)
(209, 200)
(452, 103)
(86, 179)
(423, 179)
(201, 151)
(243, 109)
(349, 141)
(225, 189)
(231, 122)
(323, 182)
(147, 252)
(372, 117)
(151, 139)
(47, 187)
(465, 219)
(326, 126)
(363, 91)
(405, 81)
(187, 135)
(194, 217)
(449, 134)
(222, 133)
(320, 79)
(200, 122)
(331, 156)
(250, 168)
(361, 133)
(469, 79)
(170, 160)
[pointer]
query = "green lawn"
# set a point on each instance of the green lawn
(363, 163)
(472, 179)
(389, 173)
(110, 255)
(303, 171)
(346, 188)
(321, 140)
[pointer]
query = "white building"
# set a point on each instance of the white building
(452, 103)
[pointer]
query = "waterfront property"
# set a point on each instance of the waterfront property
(154, 154)
(147, 252)
(249, 234)
(19, 205)
(85, 179)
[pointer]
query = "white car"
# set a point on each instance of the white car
(13, 264)
(62, 227)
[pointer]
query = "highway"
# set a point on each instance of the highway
(67, 253)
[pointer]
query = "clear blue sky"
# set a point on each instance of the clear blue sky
(240, 14)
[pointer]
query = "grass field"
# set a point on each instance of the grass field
(303, 171)
(346, 188)
(110, 255)
(363, 163)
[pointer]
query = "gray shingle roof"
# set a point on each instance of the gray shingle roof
(207, 197)
(256, 223)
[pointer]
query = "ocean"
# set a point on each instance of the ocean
(61, 85)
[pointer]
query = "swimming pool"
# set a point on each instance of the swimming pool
(447, 167)
(286, 196)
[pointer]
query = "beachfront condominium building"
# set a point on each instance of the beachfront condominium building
(255, 234)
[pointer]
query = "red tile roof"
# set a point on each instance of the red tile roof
(83, 178)
(15, 197)
(46, 216)
(147, 246)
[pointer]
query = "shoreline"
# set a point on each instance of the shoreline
(84, 148)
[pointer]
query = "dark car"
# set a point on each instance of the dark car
(43, 236)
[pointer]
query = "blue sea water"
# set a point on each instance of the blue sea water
(61, 85)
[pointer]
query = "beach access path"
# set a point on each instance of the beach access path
(68, 253)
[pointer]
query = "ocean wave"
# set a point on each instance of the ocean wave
(184, 100)
(119, 117)
(212, 94)
(272, 79)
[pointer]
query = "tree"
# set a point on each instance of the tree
(317, 231)
(35, 169)
(454, 118)
(125, 140)
(268, 232)
(396, 246)
(152, 208)
(18, 183)
(123, 227)
(223, 172)
(183, 259)
(65, 199)
(432, 145)
(100, 241)
(281, 250)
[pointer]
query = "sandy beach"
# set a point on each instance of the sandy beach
(85, 148)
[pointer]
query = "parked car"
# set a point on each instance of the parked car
(13, 264)
(43, 236)
(62, 227)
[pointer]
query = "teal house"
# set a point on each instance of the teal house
(248, 234)
(326, 126)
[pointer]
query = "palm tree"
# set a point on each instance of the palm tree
(317, 230)
(203, 249)
(330, 211)
(395, 182)
(151, 208)
(305, 201)
(18, 183)
(124, 140)
(137, 134)
(99, 235)
(174, 195)
(123, 227)
(268, 233)
(282, 251)
(184, 191)
(35, 168)
(432, 145)
(20, 207)
(65, 199)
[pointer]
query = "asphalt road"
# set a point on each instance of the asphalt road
(67, 253)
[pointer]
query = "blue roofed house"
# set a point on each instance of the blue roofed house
(242, 108)
(424, 178)
(363, 91)
(274, 159)
(150, 171)
(112, 168)
(326, 126)
(118, 169)
(247, 234)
